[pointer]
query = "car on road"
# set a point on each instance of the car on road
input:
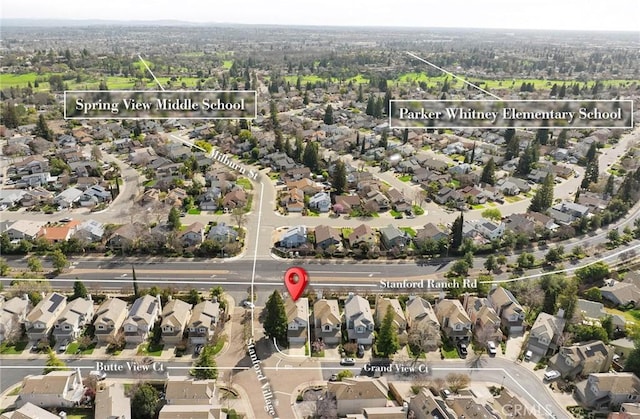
(98, 375)
(462, 350)
(334, 377)
(491, 348)
(65, 220)
(198, 349)
(360, 351)
(347, 361)
(446, 393)
(551, 375)
(528, 355)
(248, 304)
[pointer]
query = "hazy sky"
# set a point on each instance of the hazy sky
(520, 14)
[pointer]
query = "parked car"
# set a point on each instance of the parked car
(198, 349)
(462, 350)
(99, 375)
(491, 347)
(334, 377)
(360, 352)
(63, 346)
(446, 393)
(551, 375)
(528, 355)
(347, 361)
(248, 304)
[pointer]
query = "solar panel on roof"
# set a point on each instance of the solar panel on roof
(55, 299)
(151, 308)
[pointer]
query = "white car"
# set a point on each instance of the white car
(551, 375)
(99, 375)
(248, 304)
(491, 347)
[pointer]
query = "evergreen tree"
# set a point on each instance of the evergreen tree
(278, 142)
(205, 366)
(297, 153)
(339, 177)
(561, 141)
(542, 134)
(543, 199)
(360, 94)
(328, 115)
(563, 92)
(273, 112)
(591, 174)
(42, 129)
(79, 290)
(609, 188)
(384, 139)
(378, 109)
(174, 219)
(146, 400)
(371, 106)
(287, 148)
(310, 156)
(512, 144)
(387, 342)
(275, 321)
(54, 363)
(490, 264)
(489, 172)
(136, 290)
(10, 116)
(456, 232)
(305, 99)
(362, 149)
(405, 136)
(387, 102)
(527, 160)
(591, 153)
(357, 138)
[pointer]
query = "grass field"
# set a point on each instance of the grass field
(245, 183)
(73, 348)
(13, 349)
(226, 64)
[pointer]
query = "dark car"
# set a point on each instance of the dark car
(462, 350)
(198, 349)
(360, 352)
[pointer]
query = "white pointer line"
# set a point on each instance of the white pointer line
(451, 74)
(151, 72)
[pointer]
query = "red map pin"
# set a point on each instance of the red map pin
(296, 280)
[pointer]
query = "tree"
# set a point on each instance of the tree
(593, 273)
(460, 267)
(328, 115)
(344, 374)
(527, 160)
(275, 322)
(526, 260)
(339, 177)
(42, 129)
(456, 232)
(591, 153)
(10, 116)
(136, 290)
(4, 266)
(591, 174)
(387, 342)
(632, 363)
(54, 363)
(34, 264)
(205, 368)
(543, 199)
(609, 188)
(79, 290)
(146, 400)
(457, 382)
(593, 294)
(554, 255)
(384, 138)
(173, 220)
(586, 332)
(492, 214)
(194, 297)
(424, 336)
(489, 172)
(310, 156)
(59, 260)
(490, 264)
(512, 144)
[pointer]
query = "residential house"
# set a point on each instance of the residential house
(74, 317)
(327, 236)
(327, 321)
(28, 411)
(352, 395)
(454, 320)
(175, 316)
(95, 195)
(109, 318)
(90, 231)
(435, 164)
(546, 334)
(473, 195)
(489, 229)
(430, 232)
(56, 389)
(446, 194)
(188, 398)
(193, 234)
(623, 346)
(425, 405)
(362, 234)
(297, 173)
(203, 322)
(36, 196)
(467, 407)
(141, 318)
(59, 233)
(542, 220)
(24, 229)
(399, 320)
(293, 200)
(509, 309)
(567, 212)
(591, 310)
(347, 203)
(520, 223)
(621, 293)
(398, 201)
(126, 236)
(12, 315)
(608, 390)
(582, 359)
(486, 322)
(320, 202)
(208, 201)
(393, 237)
(358, 320)
(307, 186)
(421, 316)
(111, 402)
(294, 236)
(41, 318)
(297, 320)
(68, 197)
(235, 199)
(222, 233)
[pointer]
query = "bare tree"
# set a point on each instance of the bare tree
(326, 407)
(424, 336)
(239, 217)
(457, 382)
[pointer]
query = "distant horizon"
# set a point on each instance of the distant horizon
(545, 15)
(66, 22)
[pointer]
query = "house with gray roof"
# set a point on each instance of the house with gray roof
(294, 236)
(421, 316)
(621, 293)
(41, 318)
(203, 322)
(591, 310)
(111, 402)
(175, 315)
(508, 308)
(297, 320)
(582, 359)
(327, 321)
(359, 320)
(55, 389)
(109, 318)
(546, 334)
(454, 321)
(222, 233)
(70, 324)
(392, 237)
(12, 315)
(141, 318)
(608, 390)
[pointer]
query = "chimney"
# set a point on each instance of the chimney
(25, 297)
(89, 297)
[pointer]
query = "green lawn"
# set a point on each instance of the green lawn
(150, 349)
(449, 351)
(405, 178)
(477, 206)
(395, 213)
(73, 348)
(226, 64)
(411, 232)
(219, 344)
(417, 210)
(346, 232)
(13, 349)
(245, 183)
(311, 78)
(193, 211)
(512, 199)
